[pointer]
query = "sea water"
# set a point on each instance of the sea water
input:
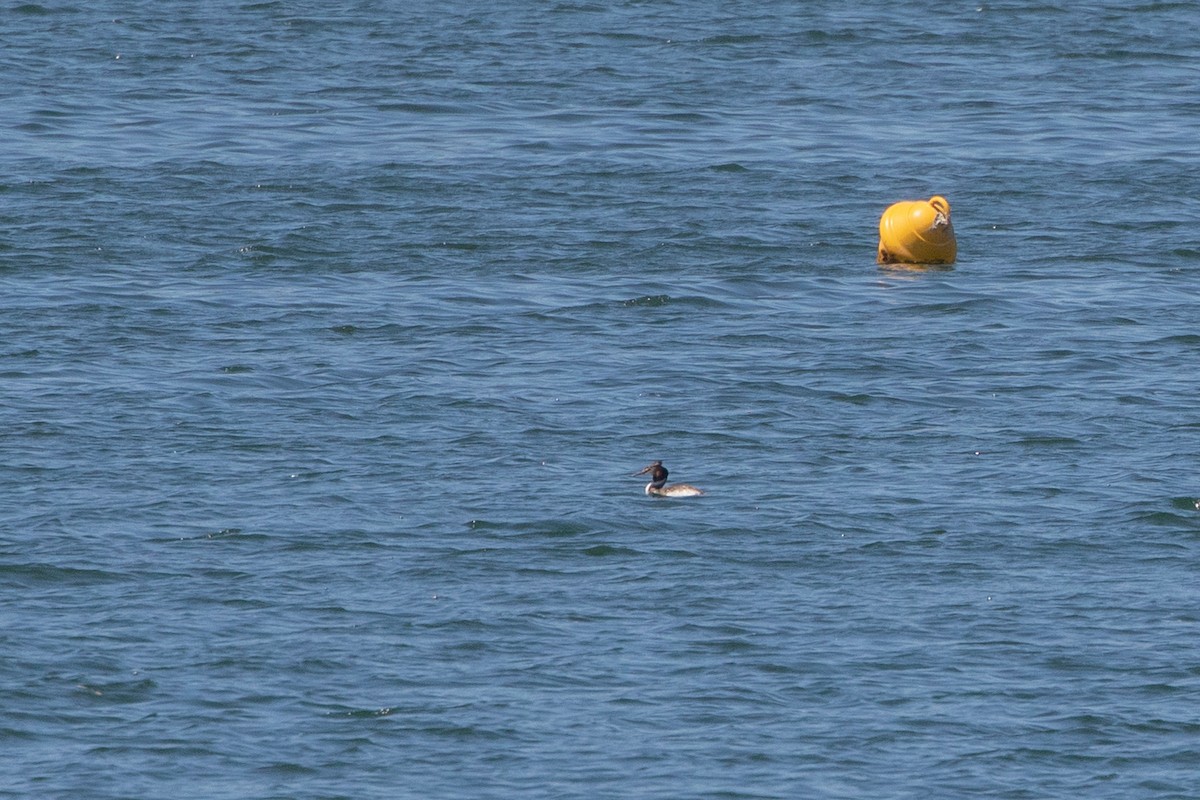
(332, 334)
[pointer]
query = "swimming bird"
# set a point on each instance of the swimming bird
(658, 479)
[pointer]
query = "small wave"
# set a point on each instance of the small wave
(1186, 503)
(648, 301)
(119, 691)
(287, 769)
(54, 575)
(1184, 513)
(422, 108)
(603, 550)
(731, 38)
(364, 713)
(663, 300)
(224, 533)
(1048, 441)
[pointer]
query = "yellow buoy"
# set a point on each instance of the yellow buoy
(917, 232)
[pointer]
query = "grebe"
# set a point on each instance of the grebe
(657, 486)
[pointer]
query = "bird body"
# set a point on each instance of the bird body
(657, 487)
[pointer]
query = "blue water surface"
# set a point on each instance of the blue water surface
(331, 336)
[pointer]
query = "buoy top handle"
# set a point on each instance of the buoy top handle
(940, 204)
